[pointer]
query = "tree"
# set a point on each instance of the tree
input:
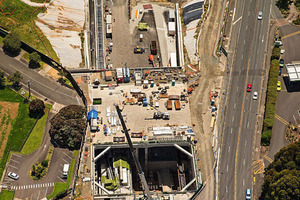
(36, 108)
(283, 4)
(34, 60)
(12, 44)
(15, 78)
(68, 126)
(2, 79)
(282, 177)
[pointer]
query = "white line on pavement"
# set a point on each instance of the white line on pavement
(237, 20)
(67, 155)
(232, 118)
(13, 166)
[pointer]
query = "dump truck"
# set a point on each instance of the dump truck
(177, 105)
(153, 47)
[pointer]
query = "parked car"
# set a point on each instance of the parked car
(278, 86)
(281, 63)
(255, 96)
(248, 194)
(279, 72)
(259, 16)
(13, 175)
(249, 86)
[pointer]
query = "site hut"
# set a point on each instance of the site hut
(293, 71)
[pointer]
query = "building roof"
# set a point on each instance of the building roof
(293, 70)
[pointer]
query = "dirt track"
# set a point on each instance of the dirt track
(211, 76)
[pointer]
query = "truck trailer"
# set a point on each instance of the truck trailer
(119, 74)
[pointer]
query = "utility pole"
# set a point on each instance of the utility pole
(28, 83)
(135, 159)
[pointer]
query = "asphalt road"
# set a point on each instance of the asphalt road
(40, 84)
(250, 35)
(92, 31)
(21, 165)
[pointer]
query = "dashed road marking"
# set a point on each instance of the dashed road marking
(33, 186)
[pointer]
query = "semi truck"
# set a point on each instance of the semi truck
(119, 74)
(171, 23)
(126, 75)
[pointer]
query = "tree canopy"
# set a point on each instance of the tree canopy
(36, 108)
(15, 78)
(68, 126)
(34, 60)
(282, 177)
(12, 44)
(2, 79)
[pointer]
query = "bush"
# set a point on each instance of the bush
(61, 194)
(36, 108)
(275, 53)
(45, 163)
(15, 78)
(68, 126)
(283, 4)
(266, 137)
(12, 44)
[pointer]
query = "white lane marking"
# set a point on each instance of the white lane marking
(226, 189)
(246, 27)
(232, 118)
(229, 149)
(233, 14)
(237, 88)
(38, 197)
(248, 13)
(67, 155)
(17, 155)
(244, 42)
(15, 161)
(248, 124)
(243, 182)
(237, 20)
(245, 142)
(64, 160)
(234, 105)
(295, 119)
(227, 168)
(263, 38)
(244, 162)
(231, 130)
(13, 166)
(242, 56)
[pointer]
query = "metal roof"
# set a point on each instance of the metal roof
(293, 70)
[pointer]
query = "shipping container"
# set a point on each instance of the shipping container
(171, 28)
(108, 19)
(119, 75)
(174, 97)
(169, 104)
(126, 75)
(153, 47)
(177, 104)
(171, 15)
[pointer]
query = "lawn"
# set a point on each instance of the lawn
(21, 125)
(20, 21)
(35, 139)
(7, 195)
(60, 187)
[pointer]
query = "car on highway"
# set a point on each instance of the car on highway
(278, 86)
(281, 63)
(13, 175)
(248, 194)
(259, 16)
(255, 95)
(249, 86)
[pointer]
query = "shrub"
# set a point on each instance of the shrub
(15, 78)
(61, 194)
(45, 163)
(275, 53)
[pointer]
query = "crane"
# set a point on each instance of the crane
(135, 159)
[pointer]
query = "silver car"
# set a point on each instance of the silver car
(259, 15)
(13, 175)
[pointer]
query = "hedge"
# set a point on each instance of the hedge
(270, 102)
(275, 53)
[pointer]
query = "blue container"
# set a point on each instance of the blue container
(145, 103)
(144, 99)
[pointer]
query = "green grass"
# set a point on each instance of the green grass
(59, 187)
(35, 139)
(21, 125)
(7, 195)
(20, 21)
(40, 1)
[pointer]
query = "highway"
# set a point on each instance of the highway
(248, 41)
(38, 83)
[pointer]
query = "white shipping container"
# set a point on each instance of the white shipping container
(108, 19)
(125, 177)
(119, 72)
(108, 112)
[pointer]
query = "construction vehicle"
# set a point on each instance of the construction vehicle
(190, 90)
(161, 115)
(138, 49)
(152, 61)
(134, 156)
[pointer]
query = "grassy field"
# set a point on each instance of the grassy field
(35, 139)
(7, 195)
(21, 125)
(20, 21)
(59, 187)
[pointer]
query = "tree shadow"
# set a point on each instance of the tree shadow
(37, 115)
(34, 65)
(9, 53)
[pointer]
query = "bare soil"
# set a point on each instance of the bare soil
(211, 76)
(8, 112)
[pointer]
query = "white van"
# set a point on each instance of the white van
(65, 171)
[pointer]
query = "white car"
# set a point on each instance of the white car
(259, 16)
(13, 175)
(255, 95)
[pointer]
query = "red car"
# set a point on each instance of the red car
(249, 86)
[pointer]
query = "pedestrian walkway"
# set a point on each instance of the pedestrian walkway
(33, 186)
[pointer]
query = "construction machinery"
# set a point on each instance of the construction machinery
(161, 115)
(134, 156)
(138, 49)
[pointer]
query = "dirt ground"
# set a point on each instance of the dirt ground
(8, 112)
(211, 77)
